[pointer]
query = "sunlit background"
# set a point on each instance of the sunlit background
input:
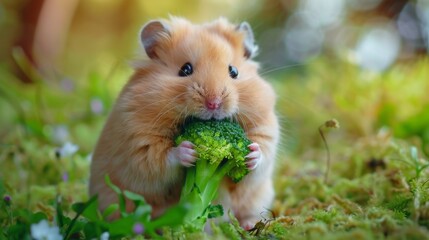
(59, 36)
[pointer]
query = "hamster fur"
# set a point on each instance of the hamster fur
(136, 147)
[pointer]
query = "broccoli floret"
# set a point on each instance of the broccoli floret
(221, 147)
(218, 142)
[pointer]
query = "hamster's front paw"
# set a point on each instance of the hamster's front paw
(254, 157)
(184, 154)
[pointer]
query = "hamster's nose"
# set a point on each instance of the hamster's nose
(213, 103)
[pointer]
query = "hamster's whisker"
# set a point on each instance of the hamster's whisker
(249, 118)
(162, 113)
(225, 95)
(155, 90)
(179, 116)
(170, 105)
(250, 123)
(281, 68)
(169, 102)
(241, 120)
(149, 105)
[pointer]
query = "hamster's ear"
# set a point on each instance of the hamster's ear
(151, 34)
(250, 48)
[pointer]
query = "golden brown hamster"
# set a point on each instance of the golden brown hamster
(203, 71)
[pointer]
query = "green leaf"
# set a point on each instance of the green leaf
(91, 211)
(79, 208)
(121, 197)
(174, 216)
(92, 230)
(214, 211)
(143, 210)
(88, 209)
(134, 196)
(59, 212)
(78, 226)
(110, 210)
(122, 226)
(109, 183)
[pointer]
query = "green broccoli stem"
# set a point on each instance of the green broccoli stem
(221, 146)
(200, 189)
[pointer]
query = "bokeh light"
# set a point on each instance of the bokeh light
(378, 48)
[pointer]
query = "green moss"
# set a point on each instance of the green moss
(378, 184)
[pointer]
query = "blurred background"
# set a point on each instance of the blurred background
(363, 62)
(58, 36)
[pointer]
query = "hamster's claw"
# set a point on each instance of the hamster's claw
(185, 154)
(254, 157)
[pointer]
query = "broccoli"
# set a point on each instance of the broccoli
(221, 147)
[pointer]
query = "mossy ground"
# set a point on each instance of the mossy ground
(378, 181)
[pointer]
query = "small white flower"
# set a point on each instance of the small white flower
(104, 236)
(68, 149)
(60, 133)
(42, 231)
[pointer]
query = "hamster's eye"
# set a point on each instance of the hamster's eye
(186, 70)
(233, 72)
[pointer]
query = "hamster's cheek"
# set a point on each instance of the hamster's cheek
(230, 106)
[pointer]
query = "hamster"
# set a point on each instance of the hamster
(204, 71)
